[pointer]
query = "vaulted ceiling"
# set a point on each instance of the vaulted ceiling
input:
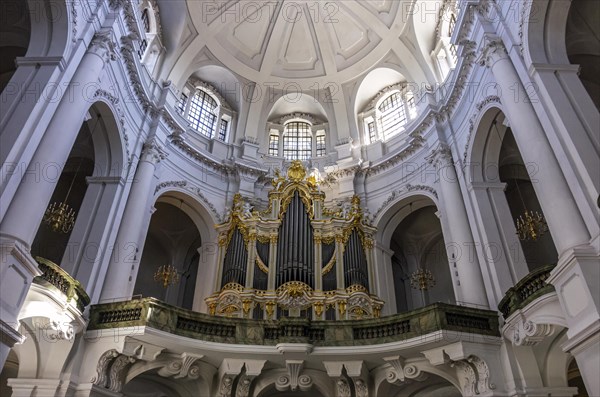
(306, 42)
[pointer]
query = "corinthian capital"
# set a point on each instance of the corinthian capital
(152, 151)
(441, 156)
(103, 45)
(492, 52)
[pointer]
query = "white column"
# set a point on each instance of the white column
(25, 211)
(126, 255)
(564, 220)
(501, 246)
(90, 236)
(31, 199)
(471, 290)
(576, 274)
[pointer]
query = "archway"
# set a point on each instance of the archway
(52, 239)
(410, 235)
(172, 240)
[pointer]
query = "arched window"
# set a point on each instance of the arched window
(392, 115)
(297, 141)
(201, 114)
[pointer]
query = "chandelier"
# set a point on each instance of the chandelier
(531, 225)
(422, 279)
(166, 274)
(60, 217)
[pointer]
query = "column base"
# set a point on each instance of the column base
(24, 387)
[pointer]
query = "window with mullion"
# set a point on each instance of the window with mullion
(274, 145)
(223, 130)
(201, 114)
(371, 130)
(321, 147)
(392, 115)
(297, 141)
(181, 103)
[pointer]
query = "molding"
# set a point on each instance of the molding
(163, 186)
(10, 336)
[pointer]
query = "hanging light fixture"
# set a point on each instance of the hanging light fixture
(531, 224)
(166, 274)
(60, 217)
(422, 279)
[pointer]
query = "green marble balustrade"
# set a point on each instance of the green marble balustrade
(153, 313)
(526, 290)
(54, 276)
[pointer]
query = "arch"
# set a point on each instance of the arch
(51, 30)
(203, 218)
(110, 146)
(397, 209)
(444, 375)
(482, 146)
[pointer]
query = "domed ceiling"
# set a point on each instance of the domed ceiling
(300, 41)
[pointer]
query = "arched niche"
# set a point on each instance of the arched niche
(200, 253)
(410, 233)
(90, 180)
(172, 240)
(494, 163)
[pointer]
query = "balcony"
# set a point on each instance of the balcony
(526, 291)
(54, 277)
(152, 313)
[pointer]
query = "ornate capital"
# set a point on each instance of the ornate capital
(103, 45)
(493, 51)
(529, 333)
(293, 380)
(441, 156)
(473, 375)
(152, 152)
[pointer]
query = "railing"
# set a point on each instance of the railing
(63, 282)
(150, 312)
(526, 290)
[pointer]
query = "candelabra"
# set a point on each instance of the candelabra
(531, 225)
(422, 279)
(60, 217)
(166, 274)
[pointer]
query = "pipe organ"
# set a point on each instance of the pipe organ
(296, 258)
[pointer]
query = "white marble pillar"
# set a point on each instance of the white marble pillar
(576, 274)
(33, 195)
(122, 271)
(25, 211)
(564, 220)
(471, 290)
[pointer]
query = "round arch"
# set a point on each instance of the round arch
(398, 209)
(192, 207)
(483, 147)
